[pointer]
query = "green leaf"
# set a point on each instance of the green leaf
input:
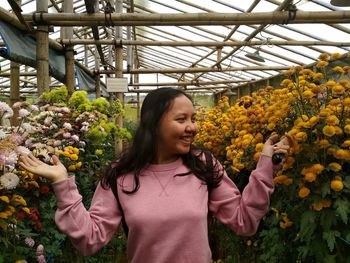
(342, 208)
(330, 236)
(307, 225)
(325, 190)
(346, 182)
(327, 219)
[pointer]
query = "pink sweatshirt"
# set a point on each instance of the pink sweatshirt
(167, 216)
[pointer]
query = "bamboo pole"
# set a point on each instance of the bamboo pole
(122, 42)
(193, 70)
(194, 83)
(67, 32)
(119, 74)
(189, 19)
(14, 91)
(42, 51)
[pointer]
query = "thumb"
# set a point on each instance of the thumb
(272, 139)
(55, 160)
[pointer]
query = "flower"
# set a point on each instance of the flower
(8, 157)
(337, 185)
(304, 192)
(2, 135)
(9, 181)
(23, 150)
(29, 241)
(23, 113)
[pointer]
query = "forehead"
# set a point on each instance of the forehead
(181, 104)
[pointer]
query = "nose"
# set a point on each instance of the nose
(192, 127)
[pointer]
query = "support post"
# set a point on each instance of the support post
(119, 74)
(69, 51)
(42, 50)
(14, 91)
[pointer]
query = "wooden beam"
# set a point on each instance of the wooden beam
(193, 70)
(200, 43)
(189, 19)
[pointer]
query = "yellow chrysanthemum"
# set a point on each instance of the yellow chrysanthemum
(346, 143)
(337, 185)
(326, 203)
(301, 136)
(338, 89)
(317, 206)
(328, 130)
(347, 128)
(346, 102)
(304, 192)
(342, 154)
(26, 209)
(71, 168)
(310, 177)
(323, 56)
(336, 55)
(339, 69)
(5, 199)
(322, 64)
(332, 120)
(336, 167)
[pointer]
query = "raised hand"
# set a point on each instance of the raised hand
(55, 172)
(273, 146)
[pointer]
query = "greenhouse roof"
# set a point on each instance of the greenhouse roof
(205, 46)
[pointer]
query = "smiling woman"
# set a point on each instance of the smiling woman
(161, 189)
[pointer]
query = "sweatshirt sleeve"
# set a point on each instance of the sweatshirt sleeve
(89, 230)
(243, 212)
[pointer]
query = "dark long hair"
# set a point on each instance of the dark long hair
(142, 150)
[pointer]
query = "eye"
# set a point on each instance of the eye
(181, 119)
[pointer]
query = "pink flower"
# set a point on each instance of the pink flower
(29, 241)
(65, 110)
(75, 137)
(40, 250)
(8, 157)
(48, 120)
(67, 135)
(17, 104)
(34, 108)
(41, 259)
(23, 113)
(57, 143)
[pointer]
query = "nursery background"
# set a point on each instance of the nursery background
(73, 75)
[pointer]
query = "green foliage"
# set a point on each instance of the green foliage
(55, 96)
(79, 101)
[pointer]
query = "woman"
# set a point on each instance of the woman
(161, 187)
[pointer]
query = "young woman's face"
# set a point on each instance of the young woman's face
(177, 129)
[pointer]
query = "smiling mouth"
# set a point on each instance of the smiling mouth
(187, 139)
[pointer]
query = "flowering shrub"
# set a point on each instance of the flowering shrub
(310, 208)
(82, 134)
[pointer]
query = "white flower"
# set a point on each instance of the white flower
(48, 120)
(23, 113)
(2, 135)
(9, 181)
(34, 108)
(23, 150)
(27, 126)
(67, 125)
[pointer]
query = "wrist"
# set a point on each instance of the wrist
(59, 179)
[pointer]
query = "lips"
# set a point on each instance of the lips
(187, 139)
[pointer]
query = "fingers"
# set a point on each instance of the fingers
(272, 139)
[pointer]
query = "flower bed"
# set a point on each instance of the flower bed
(82, 134)
(309, 216)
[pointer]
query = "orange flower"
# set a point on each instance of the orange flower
(336, 167)
(332, 120)
(317, 206)
(304, 192)
(310, 177)
(337, 185)
(328, 130)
